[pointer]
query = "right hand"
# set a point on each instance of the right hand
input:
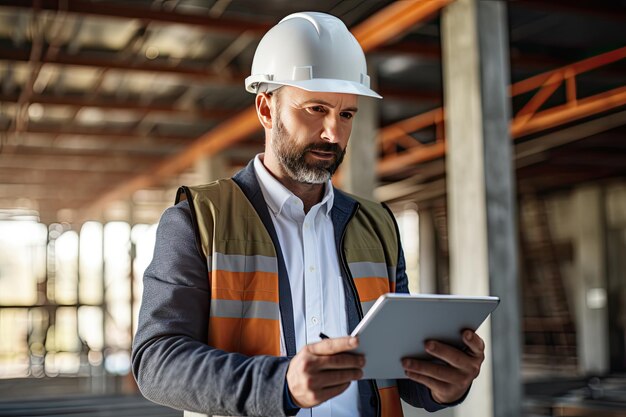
(322, 370)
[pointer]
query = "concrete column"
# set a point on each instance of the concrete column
(428, 252)
(359, 165)
(591, 285)
(358, 171)
(482, 234)
(211, 168)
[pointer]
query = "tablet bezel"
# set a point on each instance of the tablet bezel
(379, 365)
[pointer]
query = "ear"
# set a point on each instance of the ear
(264, 109)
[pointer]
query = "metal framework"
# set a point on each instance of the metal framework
(527, 121)
(124, 11)
(391, 22)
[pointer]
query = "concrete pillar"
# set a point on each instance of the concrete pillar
(428, 251)
(210, 168)
(358, 171)
(482, 234)
(591, 285)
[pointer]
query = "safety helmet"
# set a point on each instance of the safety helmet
(313, 51)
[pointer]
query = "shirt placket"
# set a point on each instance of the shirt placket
(313, 288)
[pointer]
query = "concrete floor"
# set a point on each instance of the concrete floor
(117, 397)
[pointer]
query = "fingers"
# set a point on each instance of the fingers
(329, 379)
(315, 374)
(474, 342)
(467, 360)
(448, 382)
(341, 361)
(334, 345)
(431, 383)
(431, 370)
(446, 353)
(468, 364)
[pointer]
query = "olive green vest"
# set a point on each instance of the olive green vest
(244, 273)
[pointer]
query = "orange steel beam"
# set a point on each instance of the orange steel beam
(579, 67)
(544, 93)
(546, 119)
(400, 129)
(223, 136)
(527, 120)
(394, 20)
(392, 164)
(566, 113)
(390, 22)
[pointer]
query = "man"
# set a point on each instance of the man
(249, 272)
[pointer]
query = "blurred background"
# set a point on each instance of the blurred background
(106, 107)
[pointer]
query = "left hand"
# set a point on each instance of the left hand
(448, 382)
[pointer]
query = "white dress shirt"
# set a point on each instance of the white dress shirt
(308, 245)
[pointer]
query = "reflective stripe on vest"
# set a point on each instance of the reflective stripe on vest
(243, 271)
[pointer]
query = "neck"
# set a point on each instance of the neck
(310, 194)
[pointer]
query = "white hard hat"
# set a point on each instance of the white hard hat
(313, 51)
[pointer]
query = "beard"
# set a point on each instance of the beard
(292, 157)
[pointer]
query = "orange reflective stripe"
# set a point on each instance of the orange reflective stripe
(247, 336)
(390, 402)
(371, 288)
(223, 294)
(260, 337)
(224, 333)
(245, 281)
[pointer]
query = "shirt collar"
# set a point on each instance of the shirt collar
(277, 195)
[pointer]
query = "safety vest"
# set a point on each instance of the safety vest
(244, 274)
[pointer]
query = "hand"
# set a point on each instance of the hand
(448, 382)
(321, 371)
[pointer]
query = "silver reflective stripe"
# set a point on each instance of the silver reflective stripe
(392, 273)
(244, 309)
(242, 263)
(368, 269)
(366, 305)
(385, 383)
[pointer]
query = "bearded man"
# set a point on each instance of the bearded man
(250, 272)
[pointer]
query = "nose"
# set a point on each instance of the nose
(330, 131)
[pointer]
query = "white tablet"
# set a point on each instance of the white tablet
(398, 325)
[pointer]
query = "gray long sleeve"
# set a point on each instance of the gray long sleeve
(171, 361)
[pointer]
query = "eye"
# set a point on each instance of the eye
(317, 109)
(347, 115)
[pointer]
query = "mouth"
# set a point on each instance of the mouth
(325, 155)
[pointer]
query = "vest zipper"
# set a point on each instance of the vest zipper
(344, 264)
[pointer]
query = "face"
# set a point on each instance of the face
(310, 132)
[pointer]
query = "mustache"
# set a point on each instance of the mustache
(325, 147)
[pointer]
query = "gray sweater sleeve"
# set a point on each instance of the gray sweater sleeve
(171, 361)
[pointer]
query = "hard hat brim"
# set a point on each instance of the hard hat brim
(323, 85)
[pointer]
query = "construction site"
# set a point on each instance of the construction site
(499, 145)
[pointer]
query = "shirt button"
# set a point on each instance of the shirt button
(314, 320)
(311, 268)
